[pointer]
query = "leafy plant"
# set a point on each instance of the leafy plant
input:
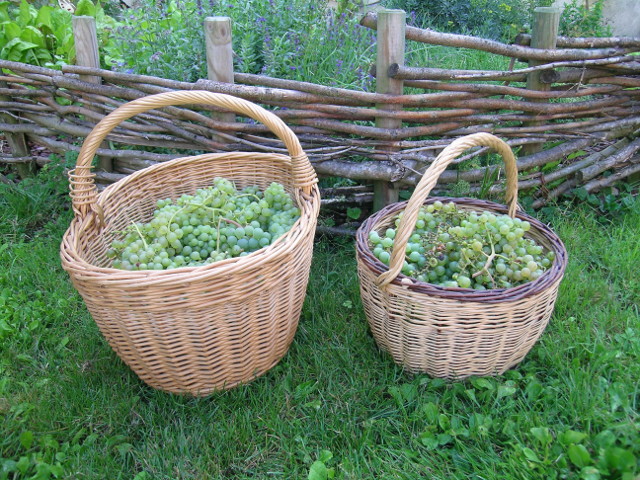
(489, 18)
(611, 201)
(579, 21)
(354, 213)
(500, 19)
(319, 469)
(40, 37)
(304, 41)
(44, 36)
(35, 199)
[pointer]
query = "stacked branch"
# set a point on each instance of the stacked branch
(593, 102)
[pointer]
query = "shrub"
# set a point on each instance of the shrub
(292, 39)
(498, 19)
(43, 36)
(579, 21)
(501, 19)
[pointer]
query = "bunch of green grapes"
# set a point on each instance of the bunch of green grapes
(216, 223)
(466, 249)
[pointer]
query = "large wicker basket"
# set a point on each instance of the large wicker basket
(451, 332)
(194, 329)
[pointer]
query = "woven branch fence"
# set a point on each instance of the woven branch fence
(583, 95)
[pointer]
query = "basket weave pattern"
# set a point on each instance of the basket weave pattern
(454, 333)
(193, 329)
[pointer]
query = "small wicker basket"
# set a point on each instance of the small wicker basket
(193, 329)
(452, 332)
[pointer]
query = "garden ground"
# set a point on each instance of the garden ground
(335, 406)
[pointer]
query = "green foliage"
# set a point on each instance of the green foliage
(579, 21)
(302, 41)
(354, 213)
(500, 19)
(319, 469)
(44, 36)
(489, 18)
(36, 36)
(611, 201)
(35, 199)
(335, 406)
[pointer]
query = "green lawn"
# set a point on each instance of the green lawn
(335, 407)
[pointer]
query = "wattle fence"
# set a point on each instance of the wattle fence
(583, 95)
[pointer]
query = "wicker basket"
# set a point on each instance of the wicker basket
(194, 329)
(452, 332)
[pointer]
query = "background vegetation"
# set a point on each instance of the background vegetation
(335, 407)
(293, 39)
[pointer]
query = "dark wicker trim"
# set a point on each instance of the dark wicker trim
(539, 231)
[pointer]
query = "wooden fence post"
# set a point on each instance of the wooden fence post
(544, 35)
(390, 49)
(86, 41)
(17, 141)
(217, 33)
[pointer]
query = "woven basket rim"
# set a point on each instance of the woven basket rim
(220, 267)
(549, 278)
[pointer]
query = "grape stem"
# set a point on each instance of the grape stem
(192, 204)
(250, 195)
(140, 234)
(218, 235)
(232, 222)
(487, 264)
(174, 216)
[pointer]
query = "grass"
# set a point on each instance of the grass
(335, 406)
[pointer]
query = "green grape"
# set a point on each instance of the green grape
(415, 257)
(466, 249)
(215, 223)
(463, 281)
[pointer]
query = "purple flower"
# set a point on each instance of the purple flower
(412, 17)
(364, 78)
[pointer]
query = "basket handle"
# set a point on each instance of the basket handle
(83, 189)
(428, 181)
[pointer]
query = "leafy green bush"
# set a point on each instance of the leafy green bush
(39, 37)
(499, 19)
(579, 21)
(44, 36)
(292, 39)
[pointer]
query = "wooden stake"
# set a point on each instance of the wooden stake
(217, 33)
(17, 141)
(86, 41)
(390, 50)
(543, 36)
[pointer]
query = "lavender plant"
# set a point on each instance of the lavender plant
(288, 39)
